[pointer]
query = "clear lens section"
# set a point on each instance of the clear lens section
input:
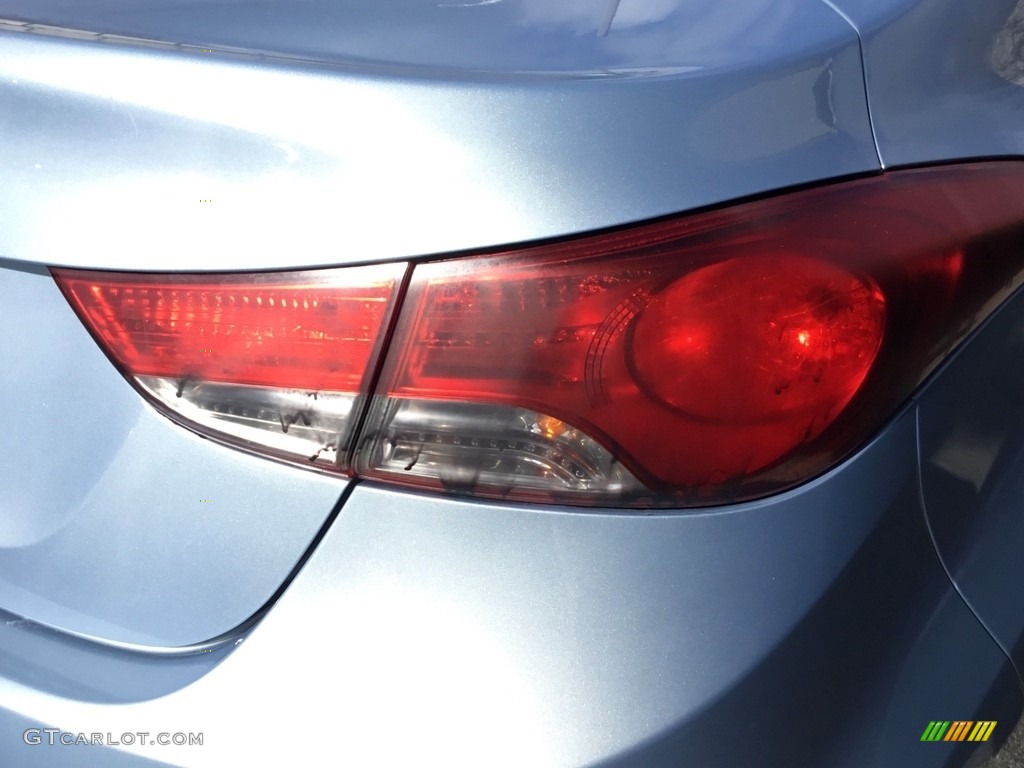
(292, 424)
(488, 450)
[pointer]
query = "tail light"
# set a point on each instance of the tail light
(701, 360)
(275, 363)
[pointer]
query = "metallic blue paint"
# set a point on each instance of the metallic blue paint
(814, 628)
(110, 147)
(972, 447)
(502, 37)
(944, 77)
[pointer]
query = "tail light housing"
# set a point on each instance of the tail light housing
(699, 360)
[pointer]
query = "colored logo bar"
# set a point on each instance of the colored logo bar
(958, 730)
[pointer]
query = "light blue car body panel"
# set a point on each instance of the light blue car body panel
(945, 80)
(972, 450)
(430, 631)
(804, 629)
(110, 149)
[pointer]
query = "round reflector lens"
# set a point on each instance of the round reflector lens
(759, 339)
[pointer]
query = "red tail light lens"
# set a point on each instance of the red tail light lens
(270, 362)
(702, 360)
(707, 359)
